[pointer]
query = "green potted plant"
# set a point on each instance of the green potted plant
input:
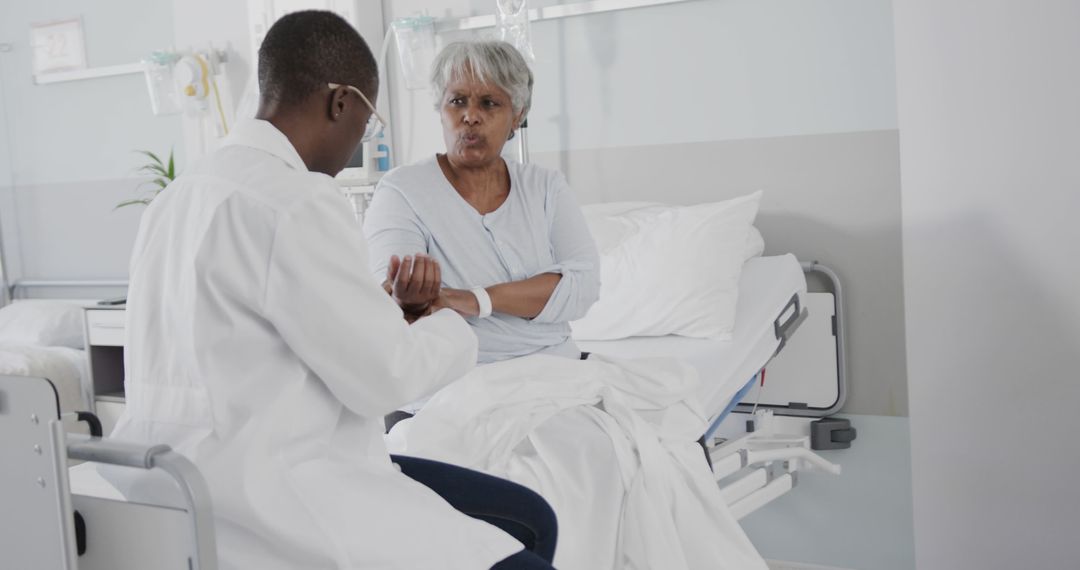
(161, 174)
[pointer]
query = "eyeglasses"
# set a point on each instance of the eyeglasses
(375, 123)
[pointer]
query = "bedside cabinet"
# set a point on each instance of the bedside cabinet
(104, 383)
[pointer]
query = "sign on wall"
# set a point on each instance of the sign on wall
(58, 46)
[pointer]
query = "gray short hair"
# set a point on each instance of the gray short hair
(494, 62)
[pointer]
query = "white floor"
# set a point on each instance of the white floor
(860, 520)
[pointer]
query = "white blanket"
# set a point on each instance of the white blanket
(609, 443)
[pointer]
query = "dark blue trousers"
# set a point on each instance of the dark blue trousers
(515, 509)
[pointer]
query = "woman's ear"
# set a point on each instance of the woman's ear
(519, 122)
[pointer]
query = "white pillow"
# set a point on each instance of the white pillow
(755, 244)
(42, 323)
(669, 269)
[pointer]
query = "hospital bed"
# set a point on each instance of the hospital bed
(752, 468)
(45, 338)
(755, 455)
(45, 525)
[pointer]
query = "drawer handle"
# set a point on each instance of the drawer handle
(103, 326)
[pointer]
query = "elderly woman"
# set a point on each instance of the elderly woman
(515, 255)
(517, 259)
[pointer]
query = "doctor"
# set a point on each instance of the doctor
(261, 348)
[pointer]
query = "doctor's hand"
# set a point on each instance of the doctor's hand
(414, 282)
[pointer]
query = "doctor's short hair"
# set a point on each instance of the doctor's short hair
(494, 62)
(305, 50)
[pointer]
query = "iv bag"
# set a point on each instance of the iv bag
(512, 22)
(159, 82)
(416, 48)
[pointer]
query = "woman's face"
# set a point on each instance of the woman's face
(477, 119)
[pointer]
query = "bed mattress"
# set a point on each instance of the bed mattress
(766, 286)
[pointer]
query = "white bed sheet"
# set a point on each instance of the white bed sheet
(65, 367)
(765, 287)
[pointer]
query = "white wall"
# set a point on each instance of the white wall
(710, 99)
(67, 149)
(860, 519)
(67, 155)
(697, 71)
(988, 98)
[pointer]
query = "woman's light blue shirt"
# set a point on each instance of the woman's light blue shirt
(538, 229)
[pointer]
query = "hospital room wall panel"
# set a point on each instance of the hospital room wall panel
(861, 519)
(67, 155)
(698, 71)
(88, 129)
(834, 198)
(71, 231)
(989, 150)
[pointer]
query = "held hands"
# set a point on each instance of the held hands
(414, 283)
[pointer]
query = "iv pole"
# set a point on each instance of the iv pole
(5, 292)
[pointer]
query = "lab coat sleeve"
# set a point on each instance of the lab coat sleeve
(576, 258)
(391, 227)
(336, 317)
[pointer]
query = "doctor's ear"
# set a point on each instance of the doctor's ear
(337, 102)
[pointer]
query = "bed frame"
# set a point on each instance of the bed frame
(12, 291)
(764, 451)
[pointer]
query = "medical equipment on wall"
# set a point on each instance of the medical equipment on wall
(512, 23)
(415, 39)
(159, 82)
(188, 82)
(367, 164)
(192, 83)
(197, 87)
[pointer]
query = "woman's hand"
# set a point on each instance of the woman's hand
(413, 282)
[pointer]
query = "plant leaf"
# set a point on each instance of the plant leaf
(143, 201)
(152, 157)
(155, 185)
(156, 177)
(153, 169)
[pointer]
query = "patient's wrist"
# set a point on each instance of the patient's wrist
(483, 302)
(461, 300)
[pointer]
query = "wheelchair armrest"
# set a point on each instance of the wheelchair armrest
(113, 452)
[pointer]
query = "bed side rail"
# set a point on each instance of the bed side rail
(838, 325)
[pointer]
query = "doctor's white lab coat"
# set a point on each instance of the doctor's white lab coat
(260, 347)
